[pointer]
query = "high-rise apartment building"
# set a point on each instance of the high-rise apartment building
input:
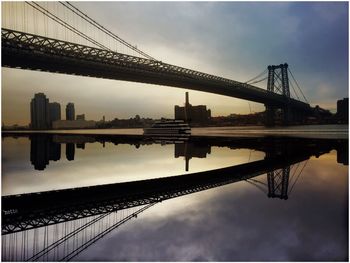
(55, 111)
(70, 112)
(39, 112)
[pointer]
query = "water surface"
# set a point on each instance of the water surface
(245, 219)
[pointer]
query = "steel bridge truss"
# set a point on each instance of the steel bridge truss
(29, 51)
(278, 82)
(55, 216)
(33, 210)
(278, 181)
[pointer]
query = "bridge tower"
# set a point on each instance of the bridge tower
(277, 182)
(278, 82)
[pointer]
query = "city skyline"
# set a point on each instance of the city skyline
(233, 40)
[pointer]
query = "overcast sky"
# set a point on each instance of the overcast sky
(235, 40)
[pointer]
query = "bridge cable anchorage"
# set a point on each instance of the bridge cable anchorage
(64, 24)
(290, 191)
(297, 85)
(103, 29)
(261, 74)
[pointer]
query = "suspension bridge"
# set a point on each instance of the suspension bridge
(60, 38)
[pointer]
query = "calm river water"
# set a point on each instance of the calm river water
(265, 198)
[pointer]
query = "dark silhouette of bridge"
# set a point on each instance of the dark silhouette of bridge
(36, 52)
(27, 51)
(33, 210)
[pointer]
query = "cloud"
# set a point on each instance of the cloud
(232, 39)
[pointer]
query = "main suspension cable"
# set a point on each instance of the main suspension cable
(291, 84)
(64, 24)
(257, 81)
(305, 163)
(258, 76)
(297, 85)
(103, 29)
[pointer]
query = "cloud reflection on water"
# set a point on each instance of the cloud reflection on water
(235, 222)
(238, 223)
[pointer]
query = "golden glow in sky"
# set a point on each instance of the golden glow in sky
(232, 40)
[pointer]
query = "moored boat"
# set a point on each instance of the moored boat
(169, 128)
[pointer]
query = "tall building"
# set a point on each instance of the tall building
(343, 110)
(55, 111)
(39, 152)
(39, 112)
(70, 151)
(192, 114)
(42, 150)
(70, 112)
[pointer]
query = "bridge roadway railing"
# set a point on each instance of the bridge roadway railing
(30, 51)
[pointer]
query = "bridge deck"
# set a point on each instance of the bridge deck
(28, 51)
(26, 211)
(33, 210)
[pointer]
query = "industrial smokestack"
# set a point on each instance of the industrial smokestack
(186, 108)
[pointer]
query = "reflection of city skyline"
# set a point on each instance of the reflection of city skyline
(283, 164)
(43, 150)
(46, 148)
(281, 168)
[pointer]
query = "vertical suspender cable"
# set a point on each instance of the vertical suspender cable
(103, 29)
(61, 22)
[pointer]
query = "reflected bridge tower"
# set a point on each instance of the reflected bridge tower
(277, 182)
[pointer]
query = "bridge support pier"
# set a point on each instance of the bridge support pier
(287, 115)
(283, 116)
(270, 116)
(276, 116)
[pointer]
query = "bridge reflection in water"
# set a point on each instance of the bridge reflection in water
(58, 225)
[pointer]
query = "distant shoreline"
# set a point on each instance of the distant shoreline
(308, 131)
